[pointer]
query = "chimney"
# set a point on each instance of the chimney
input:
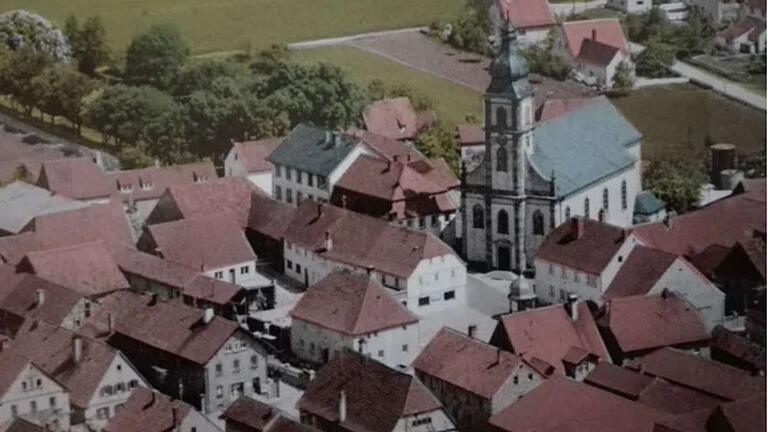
(319, 210)
(77, 348)
(472, 330)
(665, 293)
(342, 406)
(395, 158)
(328, 241)
(110, 323)
(389, 166)
(39, 297)
(577, 227)
(572, 306)
(207, 315)
(594, 34)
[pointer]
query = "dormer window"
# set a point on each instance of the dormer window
(199, 178)
(125, 188)
(145, 184)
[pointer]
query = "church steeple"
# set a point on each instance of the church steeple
(509, 69)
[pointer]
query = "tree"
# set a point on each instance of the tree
(378, 90)
(623, 79)
(89, 44)
(20, 75)
(655, 61)
(201, 76)
(438, 142)
(472, 30)
(543, 61)
(20, 29)
(156, 57)
(676, 180)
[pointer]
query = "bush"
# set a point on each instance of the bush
(541, 60)
(471, 31)
(655, 61)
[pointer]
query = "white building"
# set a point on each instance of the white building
(595, 48)
(422, 272)
(146, 409)
(533, 19)
(249, 159)
(350, 310)
(631, 6)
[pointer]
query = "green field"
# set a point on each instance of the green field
(223, 25)
(452, 101)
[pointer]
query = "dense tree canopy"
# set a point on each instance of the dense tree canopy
(89, 44)
(156, 57)
(20, 29)
(676, 180)
(437, 142)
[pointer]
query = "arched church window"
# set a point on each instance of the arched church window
(478, 218)
(501, 159)
(586, 207)
(538, 223)
(605, 199)
(567, 212)
(623, 194)
(501, 117)
(502, 222)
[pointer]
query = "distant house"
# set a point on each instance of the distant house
(533, 19)
(249, 159)
(631, 6)
(249, 415)
(473, 380)
(595, 48)
(574, 352)
(396, 119)
(634, 326)
(22, 202)
(746, 36)
(349, 310)
(76, 178)
(151, 411)
(343, 396)
(202, 359)
(471, 141)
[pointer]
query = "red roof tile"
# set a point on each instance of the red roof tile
(370, 408)
(692, 232)
(253, 154)
(15, 153)
(552, 108)
(115, 307)
(388, 148)
(269, 217)
(152, 182)
(590, 252)
(746, 415)
(597, 53)
(203, 243)
(704, 375)
(605, 30)
(560, 404)
(87, 268)
(619, 380)
(529, 333)
(525, 14)
(362, 240)
(639, 273)
(470, 135)
(149, 411)
(249, 415)
(152, 267)
(210, 290)
(468, 363)
(707, 260)
(739, 347)
(77, 178)
(647, 322)
(675, 399)
(351, 304)
(19, 297)
(392, 118)
(11, 367)
(13, 248)
(20, 425)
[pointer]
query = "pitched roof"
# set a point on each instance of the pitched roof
(251, 415)
(747, 24)
(646, 322)
(597, 53)
(269, 217)
(113, 308)
(388, 148)
(20, 202)
(19, 297)
(393, 118)
(152, 267)
(467, 363)
(179, 330)
(253, 154)
(352, 304)
(370, 408)
(362, 240)
(470, 135)
(560, 404)
(739, 347)
(701, 374)
(583, 146)
(583, 244)
(692, 232)
(152, 182)
(527, 13)
(646, 203)
(15, 153)
(18, 424)
(87, 268)
(552, 108)
(208, 289)
(619, 380)
(675, 399)
(608, 31)
(530, 333)
(149, 411)
(639, 272)
(204, 242)
(77, 178)
(313, 150)
(746, 415)
(11, 366)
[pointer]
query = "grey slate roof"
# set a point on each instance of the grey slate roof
(646, 203)
(583, 146)
(21, 202)
(312, 149)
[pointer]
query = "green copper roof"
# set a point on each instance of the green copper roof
(312, 149)
(509, 69)
(583, 146)
(646, 203)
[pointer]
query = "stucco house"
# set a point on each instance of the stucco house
(249, 159)
(350, 310)
(249, 415)
(595, 49)
(395, 118)
(473, 380)
(22, 202)
(76, 178)
(151, 411)
(533, 19)
(630, 6)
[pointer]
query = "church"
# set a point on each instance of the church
(536, 175)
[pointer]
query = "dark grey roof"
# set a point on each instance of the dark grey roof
(509, 69)
(646, 203)
(583, 146)
(313, 150)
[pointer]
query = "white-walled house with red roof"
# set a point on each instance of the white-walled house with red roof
(533, 19)
(630, 6)
(249, 159)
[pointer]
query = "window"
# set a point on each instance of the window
(52, 401)
(310, 179)
(591, 280)
(119, 367)
(278, 193)
(567, 212)
(219, 369)
(236, 390)
(256, 383)
(102, 413)
(245, 270)
(106, 390)
(288, 173)
(449, 295)
(422, 223)
(501, 159)
(133, 383)
(586, 207)
(289, 196)
(405, 348)
(381, 353)
(502, 222)
(298, 176)
(24, 386)
(538, 223)
(289, 264)
(478, 218)
(501, 117)
(14, 410)
(623, 194)
(119, 387)
(530, 377)
(434, 220)
(254, 362)
(562, 295)
(236, 365)
(33, 406)
(298, 268)
(515, 380)
(219, 391)
(299, 197)
(605, 198)
(219, 275)
(278, 171)
(551, 268)
(422, 421)
(423, 301)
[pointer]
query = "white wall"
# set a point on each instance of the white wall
(615, 215)
(243, 350)
(533, 36)
(425, 422)
(262, 180)
(244, 274)
(25, 390)
(120, 376)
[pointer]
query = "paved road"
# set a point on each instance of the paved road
(719, 84)
(317, 43)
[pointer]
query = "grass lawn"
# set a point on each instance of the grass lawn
(682, 116)
(452, 101)
(223, 25)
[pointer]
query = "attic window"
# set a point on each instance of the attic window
(126, 188)
(145, 185)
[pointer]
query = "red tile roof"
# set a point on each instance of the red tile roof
(152, 182)
(149, 411)
(560, 404)
(18, 297)
(210, 290)
(704, 375)
(470, 135)
(739, 347)
(15, 153)
(20, 425)
(529, 333)
(675, 399)
(11, 367)
(590, 252)
(597, 53)
(77, 178)
(362, 240)
(608, 31)
(179, 330)
(87, 268)
(647, 322)
(13, 248)
(552, 108)
(352, 304)
(203, 243)
(746, 25)
(115, 306)
(525, 14)
(619, 380)
(708, 259)
(269, 217)
(152, 267)
(468, 363)
(639, 272)
(388, 148)
(250, 415)
(692, 232)
(393, 118)
(746, 415)
(253, 154)
(370, 408)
